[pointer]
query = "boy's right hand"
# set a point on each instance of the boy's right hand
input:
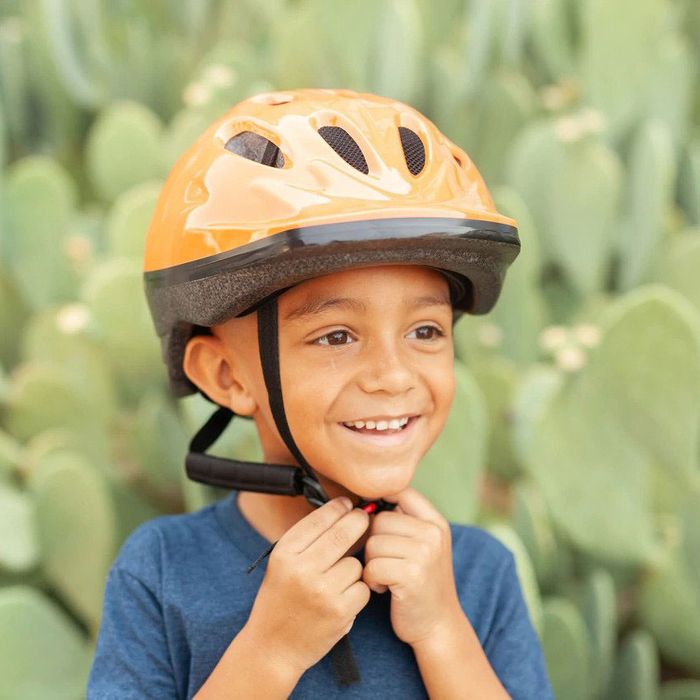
(311, 593)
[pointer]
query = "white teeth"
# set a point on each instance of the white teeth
(393, 424)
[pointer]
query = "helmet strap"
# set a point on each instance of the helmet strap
(268, 342)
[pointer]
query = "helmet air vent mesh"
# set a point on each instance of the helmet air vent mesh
(413, 150)
(345, 146)
(255, 147)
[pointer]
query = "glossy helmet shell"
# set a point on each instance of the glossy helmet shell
(290, 185)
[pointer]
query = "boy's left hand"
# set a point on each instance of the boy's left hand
(409, 551)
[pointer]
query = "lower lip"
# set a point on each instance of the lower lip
(383, 439)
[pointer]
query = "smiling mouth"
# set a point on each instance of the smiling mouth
(386, 431)
(384, 437)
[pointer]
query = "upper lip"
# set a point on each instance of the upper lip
(379, 418)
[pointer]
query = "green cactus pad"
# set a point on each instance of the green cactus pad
(128, 220)
(636, 675)
(532, 524)
(76, 523)
(44, 395)
(650, 188)
(571, 186)
(19, 547)
(42, 652)
(35, 248)
(678, 266)
(599, 606)
(497, 379)
(566, 649)
(521, 311)
(685, 689)
(615, 59)
(669, 599)
(592, 449)
(448, 474)
(526, 573)
(159, 442)
(121, 321)
(123, 149)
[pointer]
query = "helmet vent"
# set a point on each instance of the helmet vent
(413, 150)
(345, 146)
(255, 147)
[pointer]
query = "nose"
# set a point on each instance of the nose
(386, 366)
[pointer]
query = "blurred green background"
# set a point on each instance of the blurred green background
(574, 434)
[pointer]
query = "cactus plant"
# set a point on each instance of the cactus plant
(599, 607)
(448, 473)
(33, 231)
(649, 192)
(521, 311)
(128, 219)
(41, 649)
(608, 424)
(532, 524)
(636, 674)
(19, 547)
(123, 149)
(76, 526)
(526, 573)
(580, 387)
(566, 649)
(549, 161)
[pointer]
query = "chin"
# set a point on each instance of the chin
(376, 485)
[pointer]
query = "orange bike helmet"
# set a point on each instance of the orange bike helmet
(290, 185)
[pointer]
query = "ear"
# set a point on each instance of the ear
(207, 365)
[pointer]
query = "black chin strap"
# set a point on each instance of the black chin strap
(268, 341)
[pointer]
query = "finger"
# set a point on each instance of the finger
(335, 542)
(392, 546)
(307, 530)
(384, 571)
(414, 503)
(392, 523)
(344, 573)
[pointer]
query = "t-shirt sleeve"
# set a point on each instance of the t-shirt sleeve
(512, 646)
(132, 658)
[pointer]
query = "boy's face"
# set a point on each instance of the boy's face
(375, 355)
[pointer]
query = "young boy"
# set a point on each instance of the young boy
(306, 262)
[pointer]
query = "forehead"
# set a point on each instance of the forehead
(359, 288)
(365, 279)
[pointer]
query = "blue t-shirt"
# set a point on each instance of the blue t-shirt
(178, 593)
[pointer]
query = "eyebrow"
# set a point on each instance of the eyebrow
(317, 305)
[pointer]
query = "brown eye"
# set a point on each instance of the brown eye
(438, 332)
(333, 334)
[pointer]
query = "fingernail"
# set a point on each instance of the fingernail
(346, 502)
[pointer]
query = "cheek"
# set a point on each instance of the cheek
(308, 400)
(443, 388)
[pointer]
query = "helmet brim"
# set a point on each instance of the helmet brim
(214, 289)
